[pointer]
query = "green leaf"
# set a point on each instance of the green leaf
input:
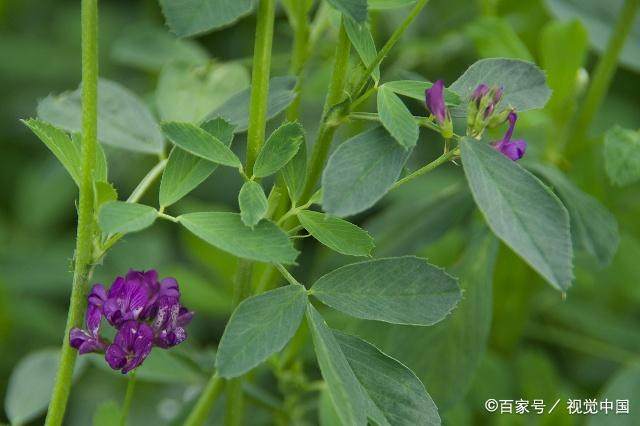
(107, 414)
(259, 327)
(354, 9)
(398, 290)
(125, 121)
(337, 234)
(495, 37)
(457, 345)
(236, 110)
(622, 155)
(253, 203)
(416, 90)
(66, 149)
(191, 17)
(104, 193)
(264, 243)
(279, 149)
(525, 85)
(396, 392)
(593, 228)
(30, 385)
(396, 118)
(625, 385)
(521, 211)
(189, 93)
(123, 217)
(346, 393)
(294, 173)
(149, 47)
(562, 62)
(389, 4)
(184, 172)
(363, 42)
(600, 20)
(361, 171)
(201, 143)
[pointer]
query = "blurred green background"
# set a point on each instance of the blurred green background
(541, 344)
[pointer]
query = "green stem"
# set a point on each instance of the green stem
(147, 181)
(575, 138)
(299, 54)
(327, 129)
(128, 398)
(287, 275)
(444, 158)
(390, 43)
(205, 403)
(260, 81)
(84, 240)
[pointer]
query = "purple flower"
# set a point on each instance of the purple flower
(130, 347)
(168, 326)
(479, 92)
(144, 311)
(511, 149)
(434, 98)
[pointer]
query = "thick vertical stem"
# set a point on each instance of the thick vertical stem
(84, 243)
(327, 130)
(576, 137)
(260, 81)
(299, 54)
(255, 139)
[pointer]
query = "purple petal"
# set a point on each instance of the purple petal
(97, 296)
(514, 150)
(184, 316)
(77, 337)
(92, 319)
(434, 98)
(115, 357)
(84, 342)
(116, 288)
(480, 90)
(169, 287)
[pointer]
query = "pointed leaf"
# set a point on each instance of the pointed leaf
(124, 120)
(521, 211)
(253, 203)
(337, 234)
(198, 141)
(294, 173)
(524, 84)
(184, 171)
(259, 327)
(398, 290)
(396, 118)
(279, 149)
(190, 17)
(362, 41)
(345, 391)
(361, 171)
(122, 217)
(396, 392)
(264, 243)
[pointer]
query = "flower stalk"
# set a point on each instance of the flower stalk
(85, 232)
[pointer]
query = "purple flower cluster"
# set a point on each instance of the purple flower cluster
(144, 311)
